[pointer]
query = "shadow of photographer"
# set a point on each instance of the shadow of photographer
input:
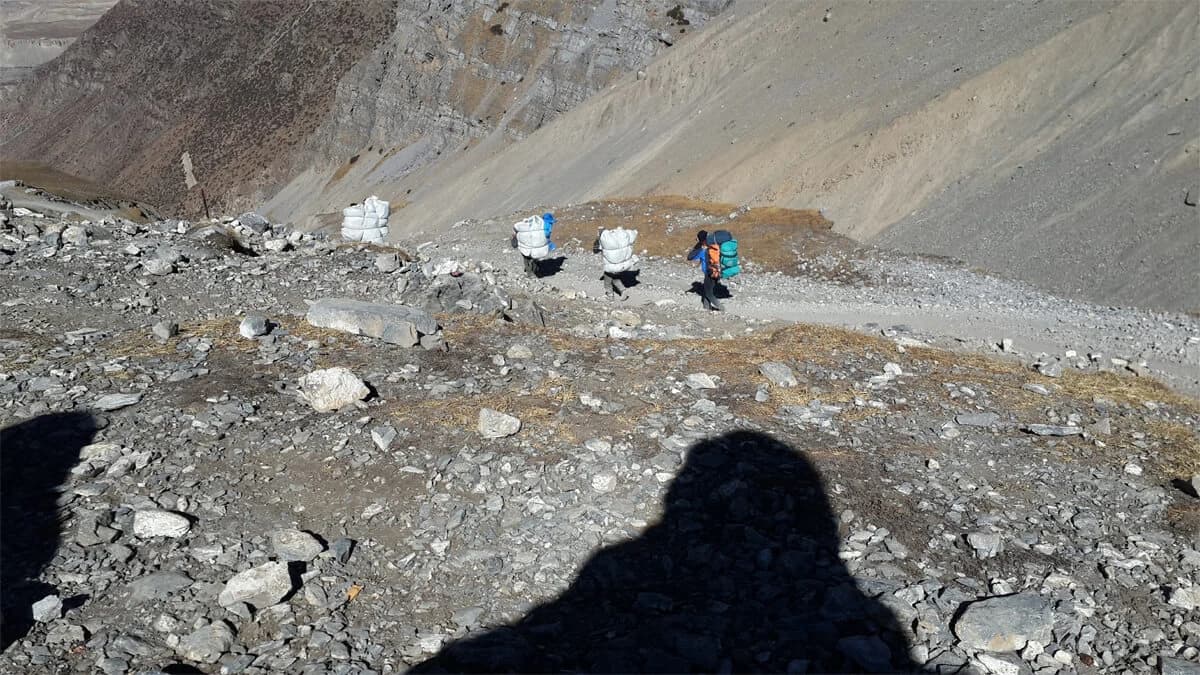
(741, 574)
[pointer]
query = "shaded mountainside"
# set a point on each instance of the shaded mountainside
(258, 92)
(154, 79)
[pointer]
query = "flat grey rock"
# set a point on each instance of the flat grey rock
(111, 402)
(1005, 624)
(977, 419)
(1052, 430)
(151, 523)
(295, 545)
(394, 324)
(158, 585)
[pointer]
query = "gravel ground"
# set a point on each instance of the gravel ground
(560, 483)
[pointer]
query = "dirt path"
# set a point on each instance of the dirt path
(937, 303)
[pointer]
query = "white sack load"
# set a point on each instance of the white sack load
(531, 238)
(617, 247)
(366, 222)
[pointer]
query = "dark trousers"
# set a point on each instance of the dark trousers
(613, 284)
(709, 296)
(531, 266)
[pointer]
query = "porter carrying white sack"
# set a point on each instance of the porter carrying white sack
(531, 238)
(617, 247)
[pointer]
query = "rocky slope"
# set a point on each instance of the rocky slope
(258, 92)
(574, 484)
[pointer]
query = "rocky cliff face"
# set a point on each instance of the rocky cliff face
(258, 92)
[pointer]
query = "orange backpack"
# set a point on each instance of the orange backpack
(714, 260)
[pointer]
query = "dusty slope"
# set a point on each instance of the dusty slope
(258, 91)
(983, 129)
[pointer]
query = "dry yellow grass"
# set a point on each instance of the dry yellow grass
(1124, 389)
(1179, 454)
(770, 237)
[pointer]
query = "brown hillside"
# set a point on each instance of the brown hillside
(239, 85)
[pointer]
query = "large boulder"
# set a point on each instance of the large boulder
(394, 324)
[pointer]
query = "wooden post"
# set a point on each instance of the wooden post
(204, 199)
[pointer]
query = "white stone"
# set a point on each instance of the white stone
(997, 666)
(519, 352)
(75, 235)
(332, 389)
(252, 326)
(158, 523)
(259, 587)
(495, 424)
(604, 482)
(49, 608)
(1186, 598)
(157, 267)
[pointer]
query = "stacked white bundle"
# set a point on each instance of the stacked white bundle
(617, 246)
(366, 222)
(531, 238)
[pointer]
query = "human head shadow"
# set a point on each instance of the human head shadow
(548, 267)
(720, 291)
(741, 574)
(35, 458)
